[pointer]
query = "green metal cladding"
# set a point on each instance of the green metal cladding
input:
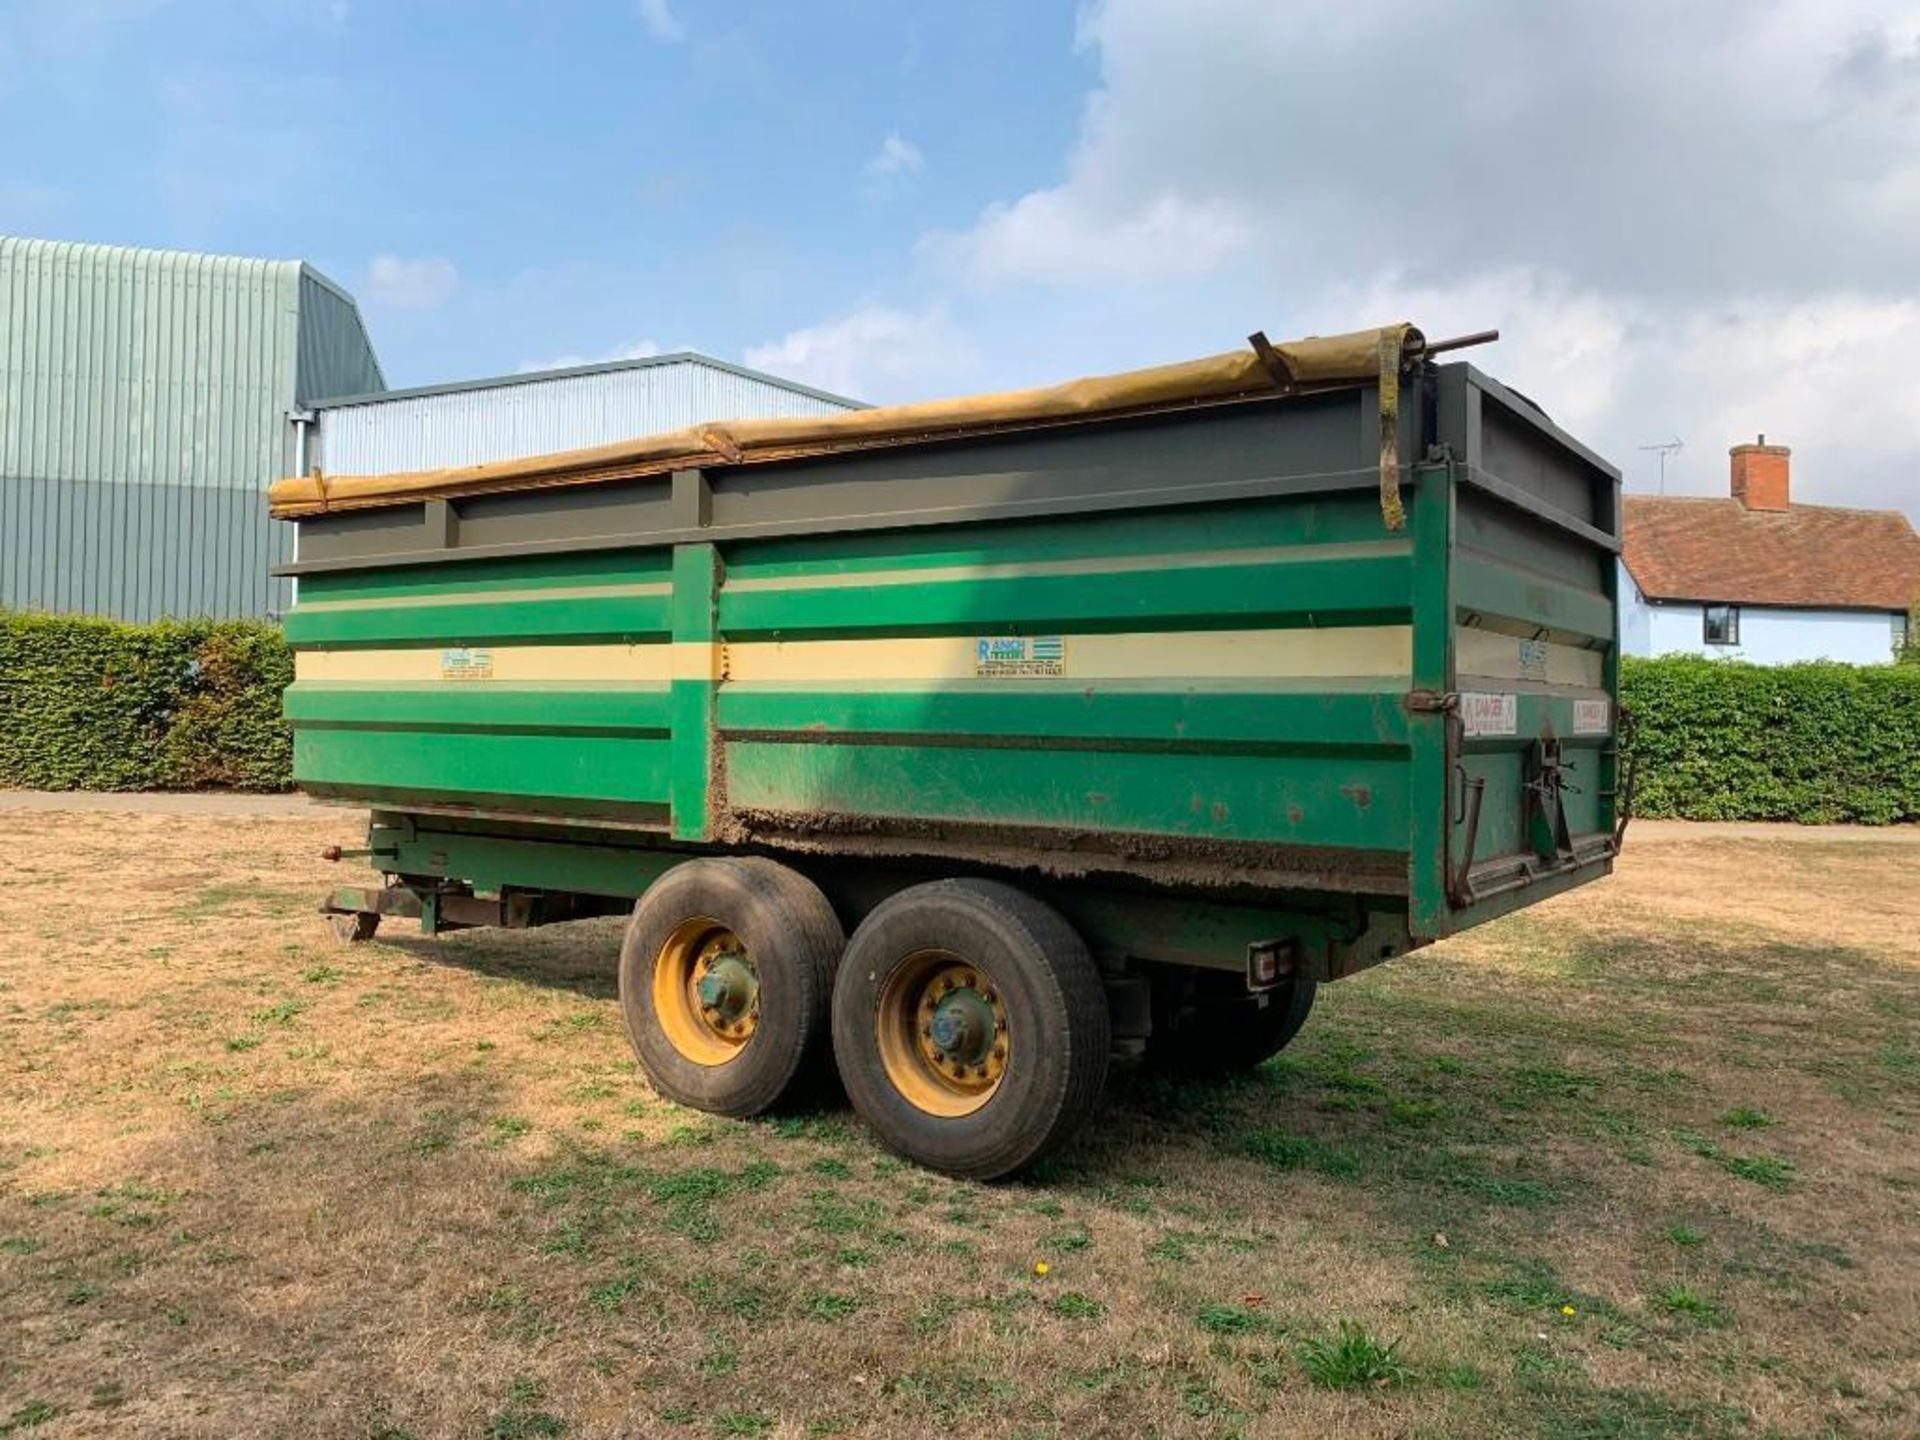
(144, 399)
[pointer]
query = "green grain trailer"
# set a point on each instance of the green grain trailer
(978, 741)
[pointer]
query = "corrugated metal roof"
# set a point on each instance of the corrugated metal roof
(336, 353)
(511, 416)
(601, 367)
(133, 382)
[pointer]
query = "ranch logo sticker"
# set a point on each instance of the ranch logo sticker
(464, 664)
(1001, 656)
(1591, 717)
(1484, 714)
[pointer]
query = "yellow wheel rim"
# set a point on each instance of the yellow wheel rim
(943, 1035)
(706, 992)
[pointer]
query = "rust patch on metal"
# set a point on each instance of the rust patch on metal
(1360, 795)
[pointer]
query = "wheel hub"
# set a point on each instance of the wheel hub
(706, 992)
(962, 1029)
(728, 988)
(962, 1025)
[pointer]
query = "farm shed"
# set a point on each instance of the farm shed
(510, 417)
(144, 404)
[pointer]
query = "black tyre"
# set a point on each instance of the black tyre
(725, 977)
(1218, 1036)
(970, 1027)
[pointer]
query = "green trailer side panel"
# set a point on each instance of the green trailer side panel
(462, 766)
(1354, 585)
(696, 579)
(1317, 800)
(534, 617)
(1158, 534)
(491, 578)
(1276, 719)
(1433, 631)
(606, 708)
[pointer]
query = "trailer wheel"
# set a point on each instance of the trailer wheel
(970, 1027)
(725, 977)
(1223, 1036)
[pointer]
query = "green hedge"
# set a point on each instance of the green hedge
(187, 705)
(91, 704)
(1819, 743)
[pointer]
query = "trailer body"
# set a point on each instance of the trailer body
(1182, 673)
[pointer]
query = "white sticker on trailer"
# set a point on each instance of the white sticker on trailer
(1592, 717)
(1485, 714)
(466, 664)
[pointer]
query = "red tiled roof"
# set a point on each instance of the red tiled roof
(1815, 556)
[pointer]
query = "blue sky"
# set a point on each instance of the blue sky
(556, 179)
(1691, 221)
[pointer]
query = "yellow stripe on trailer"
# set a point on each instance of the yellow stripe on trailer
(1364, 651)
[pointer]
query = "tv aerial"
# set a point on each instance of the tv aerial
(1666, 448)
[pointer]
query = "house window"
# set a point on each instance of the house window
(1721, 625)
(1899, 633)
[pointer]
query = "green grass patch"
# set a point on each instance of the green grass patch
(1229, 1319)
(1770, 1171)
(1684, 1300)
(1353, 1359)
(29, 1416)
(1075, 1306)
(1286, 1151)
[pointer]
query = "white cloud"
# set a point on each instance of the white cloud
(872, 353)
(660, 20)
(896, 156)
(403, 284)
(639, 350)
(1693, 219)
(1046, 236)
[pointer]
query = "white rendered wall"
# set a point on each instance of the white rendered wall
(1768, 635)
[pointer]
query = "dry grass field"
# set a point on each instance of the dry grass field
(1641, 1162)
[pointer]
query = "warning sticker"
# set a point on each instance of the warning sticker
(1592, 717)
(1019, 655)
(464, 664)
(1484, 714)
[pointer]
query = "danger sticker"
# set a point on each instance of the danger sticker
(1592, 717)
(465, 664)
(1019, 655)
(1484, 714)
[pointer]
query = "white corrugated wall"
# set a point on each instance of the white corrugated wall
(537, 415)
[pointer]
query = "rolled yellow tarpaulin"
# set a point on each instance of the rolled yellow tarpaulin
(1365, 355)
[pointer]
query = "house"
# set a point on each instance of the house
(1757, 577)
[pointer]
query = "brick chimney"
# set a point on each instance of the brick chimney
(1760, 475)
